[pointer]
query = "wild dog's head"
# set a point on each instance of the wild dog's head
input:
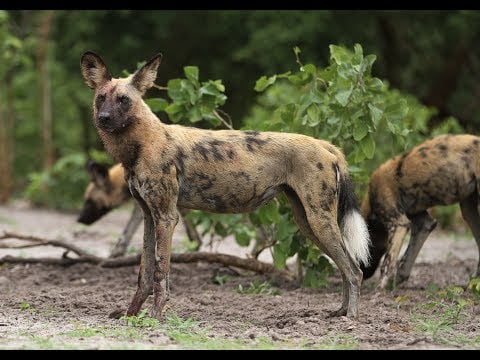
(106, 191)
(117, 102)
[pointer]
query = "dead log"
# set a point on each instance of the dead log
(83, 257)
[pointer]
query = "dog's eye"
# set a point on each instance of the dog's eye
(123, 99)
(101, 98)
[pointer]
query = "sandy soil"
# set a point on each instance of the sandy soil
(69, 307)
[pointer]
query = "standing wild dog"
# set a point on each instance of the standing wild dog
(227, 171)
(108, 190)
(441, 171)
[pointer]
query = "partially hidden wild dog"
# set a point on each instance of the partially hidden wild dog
(108, 190)
(441, 171)
(225, 171)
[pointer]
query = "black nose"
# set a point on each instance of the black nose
(104, 117)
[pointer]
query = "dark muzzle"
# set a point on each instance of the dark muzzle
(91, 213)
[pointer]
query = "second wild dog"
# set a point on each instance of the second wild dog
(441, 171)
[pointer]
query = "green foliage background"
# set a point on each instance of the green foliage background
(420, 78)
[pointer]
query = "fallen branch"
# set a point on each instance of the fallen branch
(37, 241)
(83, 257)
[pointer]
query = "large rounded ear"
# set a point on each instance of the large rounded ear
(144, 78)
(98, 174)
(94, 71)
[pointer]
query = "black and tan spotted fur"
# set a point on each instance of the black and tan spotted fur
(224, 171)
(441, 171)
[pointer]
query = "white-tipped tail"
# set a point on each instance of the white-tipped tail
(357, 238)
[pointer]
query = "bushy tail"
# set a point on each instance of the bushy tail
(354, 227)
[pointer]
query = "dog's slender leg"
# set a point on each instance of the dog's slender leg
(300, 217)
(470, 213)
(161, 290)
(160, 195)
(329, 238)
(389, 265)
(120, 247)
(422, 225)
(147, 267)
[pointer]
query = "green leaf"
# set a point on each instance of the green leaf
(242, 238)
(297, 50)
(264, 82)
(218, 85)
(173, 109)
(346, 71)
(367, 145)
(313, 114)
(310, 68)
(156, 104)
(334, 120)
(279, 257)
(269, 214)
(374, 84)
(367, 63)
(191, 72)
(300, 78)
(339, 54)
(397, 111)
(357, 58)
(288, 113)
(195, 115)
(360, 130)
(375, 113)
(328, 73)
(209, 88)
(175, 90)
(342, 96)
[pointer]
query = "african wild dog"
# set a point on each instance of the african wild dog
(108, 190)
(227, 171)
(441, 171)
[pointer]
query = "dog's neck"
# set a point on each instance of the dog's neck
(125, 146)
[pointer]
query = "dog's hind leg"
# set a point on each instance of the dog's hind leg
(120, 247)
(422, 224)
(300, 217)
(322, 220)
(328, 237)
(470, 213)
(388, 269)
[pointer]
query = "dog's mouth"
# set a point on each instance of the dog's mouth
(113, 128)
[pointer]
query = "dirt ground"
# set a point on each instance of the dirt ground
(51, 307)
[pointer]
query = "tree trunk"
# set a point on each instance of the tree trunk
(446, 83)
(6, 141)
(390, 49)
(45, 90)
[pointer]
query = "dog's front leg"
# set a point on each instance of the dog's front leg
(147, 264)
(164, 228)
(161, 194)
